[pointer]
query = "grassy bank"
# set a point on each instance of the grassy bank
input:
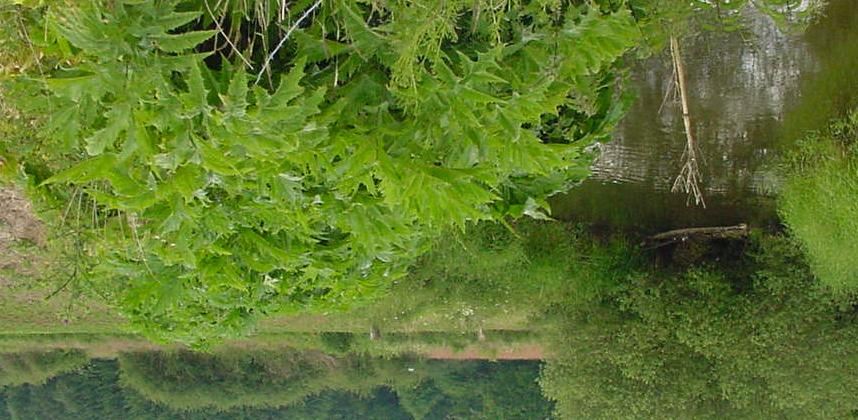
(819, 202)
(473, 284)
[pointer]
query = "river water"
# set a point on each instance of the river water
(750, 93)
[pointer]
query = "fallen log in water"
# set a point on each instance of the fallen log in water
(682, 235)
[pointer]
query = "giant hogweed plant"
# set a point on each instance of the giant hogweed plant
(218, 196)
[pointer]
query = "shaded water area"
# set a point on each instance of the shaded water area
(748, 91)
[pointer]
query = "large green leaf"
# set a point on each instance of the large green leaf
(184, 41)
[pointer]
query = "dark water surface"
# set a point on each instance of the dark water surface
(750, 93)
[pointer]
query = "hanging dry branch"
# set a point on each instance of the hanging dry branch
(688, 180)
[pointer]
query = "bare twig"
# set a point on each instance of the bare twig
(226, 36)
(63, 286)
(671, 88)
(68, 207)
(280, 44)
(132, 224)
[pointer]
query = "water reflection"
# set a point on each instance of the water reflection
(284, 383)
(743, 87)
(740, 85)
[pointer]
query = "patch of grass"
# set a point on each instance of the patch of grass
(819, 202)
(494, 277)
(27, 311)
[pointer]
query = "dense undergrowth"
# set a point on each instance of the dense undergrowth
(759, 337)
(766, 341)
(199, 197)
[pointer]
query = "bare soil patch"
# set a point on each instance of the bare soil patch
(18, 227)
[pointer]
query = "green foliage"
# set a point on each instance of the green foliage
(710, 344)
(36, 367)
(337, 342)
(215, 201)
(818, 201)
(393, 344)
(492, 272)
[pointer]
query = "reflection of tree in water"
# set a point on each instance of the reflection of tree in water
(36, 367)
(833, 88)
(282, 384)
(426, 389)
(739, 85)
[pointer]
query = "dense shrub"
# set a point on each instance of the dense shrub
(769, 343)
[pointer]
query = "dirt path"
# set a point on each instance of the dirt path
(18, 224)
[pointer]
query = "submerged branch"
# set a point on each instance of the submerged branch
(681, 235)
